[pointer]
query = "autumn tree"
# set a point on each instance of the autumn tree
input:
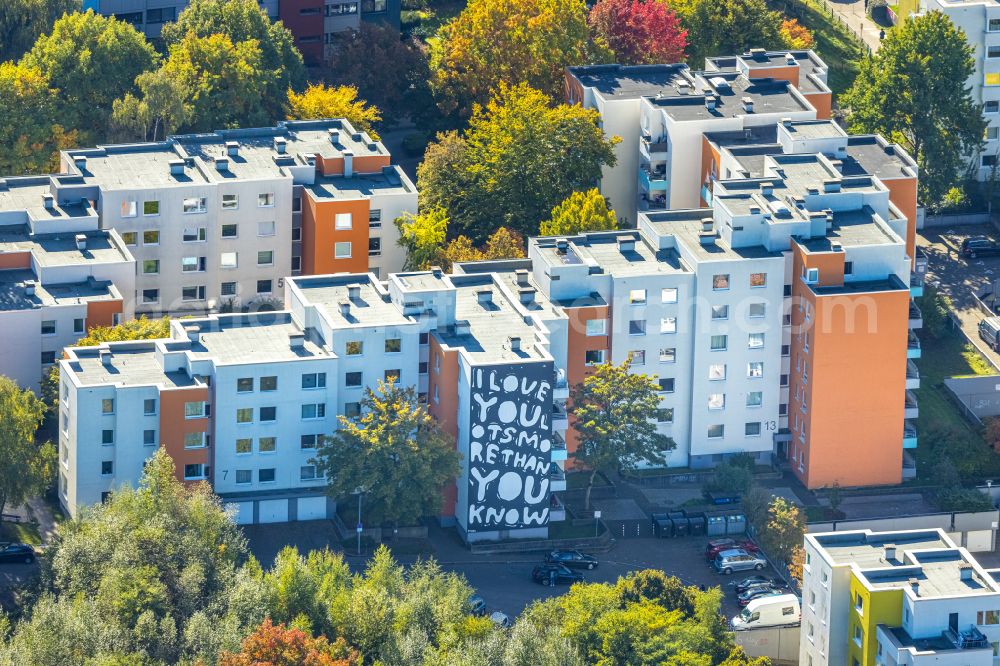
(913, 91)
(796, 35)
(26, 467)
(162, 106)
(502, 244)
(721, 27)
(784, 531)
(639, 32)
(31, 125)
(423, 238)
(494, 42)
(278, 645)
(395, 451)
(24, 21)
(579, 213)
(319, 101)
(614, 416)
(519, 157)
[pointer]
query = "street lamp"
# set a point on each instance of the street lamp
(360, 492)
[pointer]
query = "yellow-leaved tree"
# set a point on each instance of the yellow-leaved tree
(320, 101)
(581, 211)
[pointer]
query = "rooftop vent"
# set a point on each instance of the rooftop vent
(354, 292)
(296, 340)
(484, 296)
(81, 242)
(711, 102)
(345, 309)
(965, 571)
(348, 162)
(522, 277)
(683, 87)
(767, 188)
(831, 185)
(463, 327)
(758, 54)
(790, 59)
(890, 551)
(562, 245)
(754, 210)
(719, 82)
(748, 104)
(80, 161)
(707, 224)
(176, 167)
(707, 234)
(222, 164)
(515, 343)
(232, 148)
(29, 287)
(526, 295)
(334, 136)
(280, 145)
(915, 586)
(356, 136)
(48, 201)
(436, 271)
(372, 146)
(192, 333)
(626, 244)
(836, 246)
(838, 165)
(812, 189)
(105, 356)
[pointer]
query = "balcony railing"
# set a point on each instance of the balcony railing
(916, 317)
(916, 285)
(909, 435)
(969, 639)
(912, 346)
(920, 261)
(912, 375)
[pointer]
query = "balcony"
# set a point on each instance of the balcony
(910, 408)
(969, 639)
(912, 375)
(652, 150)
(561, 389)
(916, 285)
(909, 466)
(909, 435)
(557, 510)
(912, 346)
(559, 452)
(920, 261)
(559, 420)
(557, 480)
(652, 203)
(916, 317)
(651, 180)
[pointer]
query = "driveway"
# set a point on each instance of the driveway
(960, 279)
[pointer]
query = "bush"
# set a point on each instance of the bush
(877, 9)
(956, 200)
(730, 477)
(964, 499)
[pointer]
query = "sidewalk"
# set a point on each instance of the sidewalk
(852, 14)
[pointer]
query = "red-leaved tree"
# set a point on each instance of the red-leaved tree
(277, 645)
(639, 31)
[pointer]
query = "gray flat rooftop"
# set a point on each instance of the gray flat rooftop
(389, 181)
(422, 281)
(138, 166)
(686, 226)
(867, 550)
(60, 249)
(753, 159)
(631, 81)
(890, 283)
(602, 250)
(937, 574)
(251, 339)
(26, 194)
(13, 296)
(854, 228)
(768, 95)
(865, 155)
(752, 136)
(815, 129)
(370, 308)
(133, 364)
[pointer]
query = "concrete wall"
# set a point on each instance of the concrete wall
(974, 530)
(980, 394)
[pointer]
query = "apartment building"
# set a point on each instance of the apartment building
(892, 598)
(314, 24)
(218, 221)
(60, 276)
(664, 110)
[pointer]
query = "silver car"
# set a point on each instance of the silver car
(729, 561)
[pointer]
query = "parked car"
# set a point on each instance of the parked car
(769, 612)
(478, 605)
(989, 331)
(729, 561)
(552, 574)
(716, 546)
(979, 246)
(749, 582)
(756, 593)
(571, 558)
(17, 552)
(500, 619)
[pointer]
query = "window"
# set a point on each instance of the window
(755, 398)
(374, 247)
(992, 133)
(195, 410)
(194, 471)
(354, 348)
(192, 264)
(230, 202)
(229, 259)
(393, 345)
(343, 221)
(374, 218)
(265, 228)
(297, 205)
(161, 15)
(352, 379)
(310, 442)
(308, 11)
(269, 383)
(668, 354)
(637, 356)
(716, 431)
(150, 295)
(267, 444)
(195, 205)
(668, 295)
(268, 414)
(314, 411)
(422, 368)
(149, 406)
(243, 476)
(666, 385)
(296, 233)
(848, 267)
(637, 327)
(812, 275)
(108, 406)
(130, 238)
(992, 79)
(392, 375)
(720, 282)
(755, 369)
(107, 467)
(425, 338)
(716, 400)
(373, 6)
(637, 296)
(193, 293)
(265, 199)
(720, 312)
(150, 266)
(988, 617)
(107, 437)
(194, 440)
(783, 381)
(265, 258)
(988, 160)
(48, 327)
(244, 445)
(244, 415)
(48, 357)
(758, 279)
(352, 409)
(266, 475)
(755, 340)
(296, 263)
(665, 415)
(859, 603)
(594, 356)
(994, 25)
(342, 250)
(195, 234)
(992, 106)
(596, 326)
(859, 635)
(151, 237)
(263, 286)
(668, 325)
(718, 342)
(752, 429)
(129, 209)
(717, 371)
(307, 473)
(149, 438)
(78, 325)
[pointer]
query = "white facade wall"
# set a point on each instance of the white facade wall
(392, 256)
(618, 183)
(21, 354)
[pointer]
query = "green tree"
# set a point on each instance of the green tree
(502, 244)
(717, 27)
(26, 468)
(92, 61)
(423, 237)
(319, 101)
(934, 308)
(785, 529)
(580, 212)
(730, 477)
(755, 502)
(615, 414)
(519, 157)
(395, 451)
(654, 585)
(913, 91)
(24, 21)
(244, 22)
(164, 107)
(31, 129)
(495, 42)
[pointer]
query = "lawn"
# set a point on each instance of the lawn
(841, 50)
(21, 532)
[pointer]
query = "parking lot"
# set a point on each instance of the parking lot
(960, 278)
(504, 581)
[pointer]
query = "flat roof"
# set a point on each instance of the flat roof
(135, 166)
(389, 181)
(26, 193)
(130, 364)
(602, 251)
(260, 338)
(889, 283)
(686, 226)
(867, 154)
(13, 294)
(422, 281)
(631, 81)
(768, 95)
(515, 274)
(61, 249)
(867, 549)
(814, 129)
(853, 228)
(936, 574)
(371, 307)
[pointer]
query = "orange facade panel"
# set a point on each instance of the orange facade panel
(320, 236)
(102, 313)
(710, 164)
(15, 260)
(903, 194)
(790, 73)
(822, 101)
(578, 343)
(442, 404)
(174, 427)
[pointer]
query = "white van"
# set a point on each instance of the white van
(769, 612)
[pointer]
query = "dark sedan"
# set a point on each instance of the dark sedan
(715, 547)
(553, 574)
(979, 246)
(17, 552)
(571, 558)
(750, 582)
(756, 593)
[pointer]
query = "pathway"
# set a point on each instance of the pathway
(852, 14)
